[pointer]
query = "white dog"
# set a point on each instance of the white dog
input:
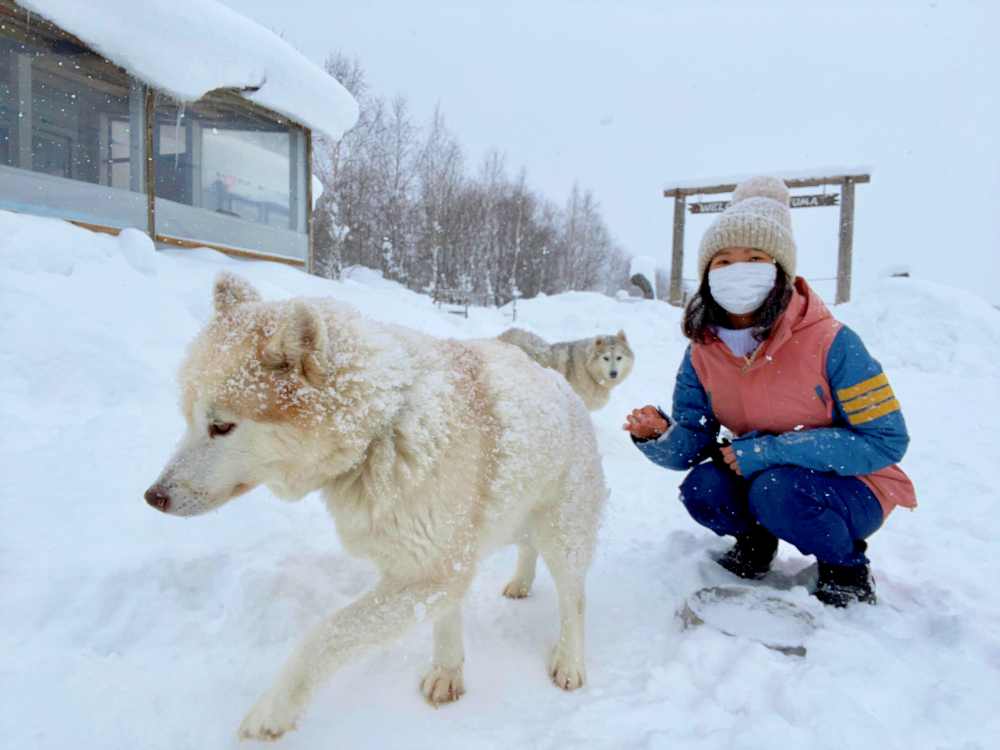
(591, 366)
(429, 453)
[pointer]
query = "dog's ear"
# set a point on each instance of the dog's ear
(299, 345)
(231, 291)
(599, 342)
(621, 336)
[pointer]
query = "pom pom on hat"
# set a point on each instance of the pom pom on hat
(762, 187)
(758, 217)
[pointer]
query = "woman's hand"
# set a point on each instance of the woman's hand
(729, 456)
(645, 423)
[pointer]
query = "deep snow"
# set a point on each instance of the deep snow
(124, 628)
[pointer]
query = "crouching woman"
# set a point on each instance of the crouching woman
(817, 428)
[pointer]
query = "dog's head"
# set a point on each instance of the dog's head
(252, 388)
(610, 359)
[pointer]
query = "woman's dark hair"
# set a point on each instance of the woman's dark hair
(703, 313)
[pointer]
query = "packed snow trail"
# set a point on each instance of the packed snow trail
(124, 628)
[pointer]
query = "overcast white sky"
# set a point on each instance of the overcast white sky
(626, 96)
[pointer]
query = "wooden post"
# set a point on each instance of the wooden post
(21, 83)
(150, 171)
(846, 241)
(677, 257)
(195, 147)
(104, 149)
(136, 136)
(310, 240)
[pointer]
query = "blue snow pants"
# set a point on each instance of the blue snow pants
(821, 514)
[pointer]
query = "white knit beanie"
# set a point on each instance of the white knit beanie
(758, 217)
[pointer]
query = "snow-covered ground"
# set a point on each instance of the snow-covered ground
(125, 628)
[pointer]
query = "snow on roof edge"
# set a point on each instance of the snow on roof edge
(187, 48)
(784, 174)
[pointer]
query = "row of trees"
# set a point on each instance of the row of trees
(399, 197)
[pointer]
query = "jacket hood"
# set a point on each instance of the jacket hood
(805, 309)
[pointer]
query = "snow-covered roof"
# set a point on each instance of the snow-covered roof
(785, 174)
(190, 47)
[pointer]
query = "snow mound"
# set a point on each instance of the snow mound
(926, 326)
(32, 244)
(372, 278)
(190, 47)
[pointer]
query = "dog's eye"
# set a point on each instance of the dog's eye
(619, 359)
(217, 429)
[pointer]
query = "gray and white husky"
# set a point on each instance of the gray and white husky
(591, 366)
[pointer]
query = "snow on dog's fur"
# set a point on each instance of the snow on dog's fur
(429, 453)
(591, 366)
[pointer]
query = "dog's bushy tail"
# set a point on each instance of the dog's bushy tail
(531, 344)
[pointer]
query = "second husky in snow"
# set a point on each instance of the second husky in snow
(591, 366)
(429, 455)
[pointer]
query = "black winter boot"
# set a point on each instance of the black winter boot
(840, 585)
(752, 554)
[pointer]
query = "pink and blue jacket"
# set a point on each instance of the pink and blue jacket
(810, 396)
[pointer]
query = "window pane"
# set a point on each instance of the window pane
(245, 174)
(70, 130)
(227, 175)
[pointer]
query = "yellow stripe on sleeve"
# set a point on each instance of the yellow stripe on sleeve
(872, 397)
(846, 394)
(867, 415)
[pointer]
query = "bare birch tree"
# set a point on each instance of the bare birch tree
(397, 197)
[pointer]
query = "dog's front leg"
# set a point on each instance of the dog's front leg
(376, 618)
(444, 682)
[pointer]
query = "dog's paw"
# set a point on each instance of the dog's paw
(269, 719)
(566, 672)
(442, 685)
(517, 589)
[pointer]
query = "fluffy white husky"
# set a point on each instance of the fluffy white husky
(591, 366)
(429, 453)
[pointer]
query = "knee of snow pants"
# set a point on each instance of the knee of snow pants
(821, 514)
(717, 499)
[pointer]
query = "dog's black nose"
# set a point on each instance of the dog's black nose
(158, 497)
(614, 373)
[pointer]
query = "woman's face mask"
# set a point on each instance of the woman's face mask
(741, 288)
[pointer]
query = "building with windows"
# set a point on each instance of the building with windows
(179, 117)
